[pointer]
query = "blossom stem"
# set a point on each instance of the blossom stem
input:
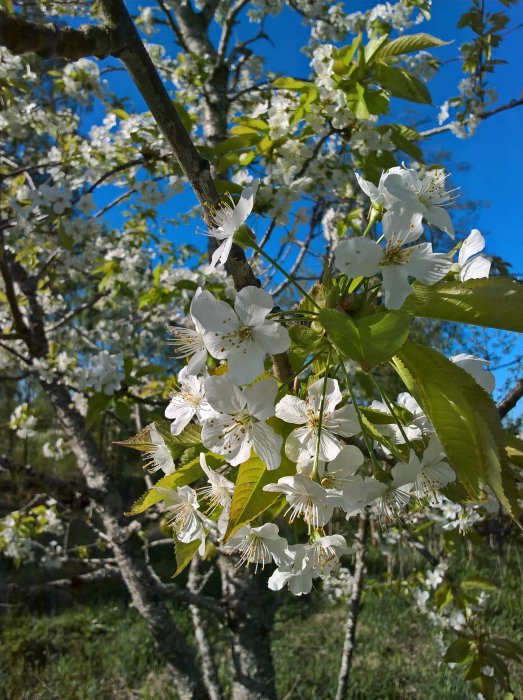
(314, 473)
(297, 374)
(392, 411)
(290, 278)
(368, 443)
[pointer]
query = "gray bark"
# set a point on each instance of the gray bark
(250, 623)
(353, 609)
(208, 666)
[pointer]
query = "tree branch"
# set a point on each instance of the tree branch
(483, 115)
(353, 610)
(511, 399)
(48, 40)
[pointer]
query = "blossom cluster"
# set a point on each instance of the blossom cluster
(314, 435)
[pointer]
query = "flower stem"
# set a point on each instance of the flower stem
(290, 278)
(314, 473)
(392, 411)
(360, 418)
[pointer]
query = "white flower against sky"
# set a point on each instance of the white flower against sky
(219, 489)
(188, 342)
(188, 402)
(185, 516)
(159, 455)
(259, 545)
(301, 443)
(358, 256)
(227, 219)
(378, 195)
(417, 196)
(239, 423)
(475, 367)
(472, 265)
(242, 335)
(306, 498)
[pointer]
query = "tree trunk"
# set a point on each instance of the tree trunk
(353, 610)
(128, 551)
(249, 619)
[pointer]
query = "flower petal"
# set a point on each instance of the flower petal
(358, 256)
(267, 445)
(252, 305)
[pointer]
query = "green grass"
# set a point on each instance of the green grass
(101, 649)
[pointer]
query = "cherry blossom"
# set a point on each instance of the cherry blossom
(306, 498)
(259, 545)
(189, 342)
(360, 256)
(239, 423)
(473, 265)
(301, 443)
(243, 336)
(185, 517)
(159, 455)
(227, 219)
(219, 489)
(188, 402)
(475, 367)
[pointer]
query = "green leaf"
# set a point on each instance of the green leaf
(249, 499)
(482, 583)
(402, 84)
(368, 340)
(464, 417)
(184, 553)
(457, 651)
(494, 302)
(181, 477)
(408, 43)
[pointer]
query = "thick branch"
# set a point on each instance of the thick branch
(511, 399)
(48, 40)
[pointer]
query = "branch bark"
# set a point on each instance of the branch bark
(250, 623)
(209, 670)
(511, 399)
(49, 40)
(353, 610)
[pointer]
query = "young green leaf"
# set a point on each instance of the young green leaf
(464, 417)
(368, 340)
(494, 302)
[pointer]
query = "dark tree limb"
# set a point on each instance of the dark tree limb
(49, 40)
(511, 399)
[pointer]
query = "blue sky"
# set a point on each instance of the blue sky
(486, 166)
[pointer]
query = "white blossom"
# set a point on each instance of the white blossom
(227, 219)
(188, 402)
(243, 336)
(473, 265)
(239, 423)
(301, 443)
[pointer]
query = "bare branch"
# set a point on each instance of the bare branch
(483, 115)
(48, 40)
(209, 670)
(353, 609)
(511, 399)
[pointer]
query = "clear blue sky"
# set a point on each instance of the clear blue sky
(486, 167)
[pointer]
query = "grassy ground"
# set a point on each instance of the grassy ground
(101, 649)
